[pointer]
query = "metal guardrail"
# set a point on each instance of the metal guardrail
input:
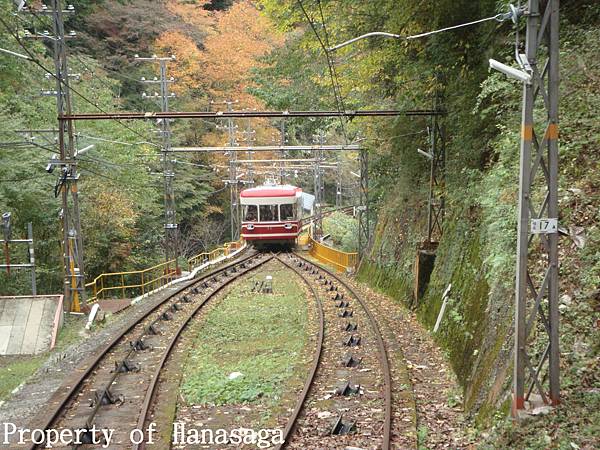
(303, 239)
(203, 258)
(131, 283)
(340, 260)
(138, 282)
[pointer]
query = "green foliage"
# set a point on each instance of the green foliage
(121, 190)
(343, 230)
(477, 252)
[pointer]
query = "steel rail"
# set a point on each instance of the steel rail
(151, 391)
(383, 356)
(316, 361)
(44, 419)
(246, 114)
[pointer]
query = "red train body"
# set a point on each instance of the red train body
(272, 214)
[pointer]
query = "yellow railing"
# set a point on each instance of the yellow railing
(138, 282)
(341, 260)
(203, 258)
(132, 283)
(303, 239)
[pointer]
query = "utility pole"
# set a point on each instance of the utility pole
(233, 187)
(249, 138)
(283, 153)
(339, 182)
(537, 239)
(318, 184)
(66, 186)
(234, 202)
(436, 207)
(171, 227)
(364, 234)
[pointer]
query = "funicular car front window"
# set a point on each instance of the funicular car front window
(286, 211)
(250, 213)
(268, 213)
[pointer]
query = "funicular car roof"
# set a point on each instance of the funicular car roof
(271, 191)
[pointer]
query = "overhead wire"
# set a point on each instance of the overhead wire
(36, 61)
(501, 17)
(338, 105)
(333, 72)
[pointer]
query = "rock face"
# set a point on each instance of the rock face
(476, 330)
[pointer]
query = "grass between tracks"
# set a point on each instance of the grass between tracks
(258, 335)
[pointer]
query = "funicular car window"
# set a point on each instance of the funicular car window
(268, 213)
(286, 211)
(250, 213)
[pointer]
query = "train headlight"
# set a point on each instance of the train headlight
(288, 226)
(250, 226)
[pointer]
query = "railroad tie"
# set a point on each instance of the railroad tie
(152, 330)
(350, 361)
(139, 345)
(342, 304)
(346, 313)
(346, 389)
(186, 299)
(176, 307)
(126, 366)
(166, 316)
(352, 341)
(340, 427)
(106, 397)
(337, 296)
(351, 327)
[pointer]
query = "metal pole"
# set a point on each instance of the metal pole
(553, 286)
(318, 185)
(283, 153)
(170, 215)
(233, 181)
(7, 257)
(338, 181)
(31, 258)
(171, 228)
(74, 283)
(363, 208)
(249, 139)
(437, 177)
(537, 296)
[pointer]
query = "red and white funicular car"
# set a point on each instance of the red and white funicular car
(271, 214)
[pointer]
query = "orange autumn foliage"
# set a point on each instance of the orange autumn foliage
(235, 41)
(186, 68)
(242, 36)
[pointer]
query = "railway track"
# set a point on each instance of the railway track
(362, 402)
(346, 399)
(124, 372)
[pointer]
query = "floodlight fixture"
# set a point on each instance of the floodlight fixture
(510, 72)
